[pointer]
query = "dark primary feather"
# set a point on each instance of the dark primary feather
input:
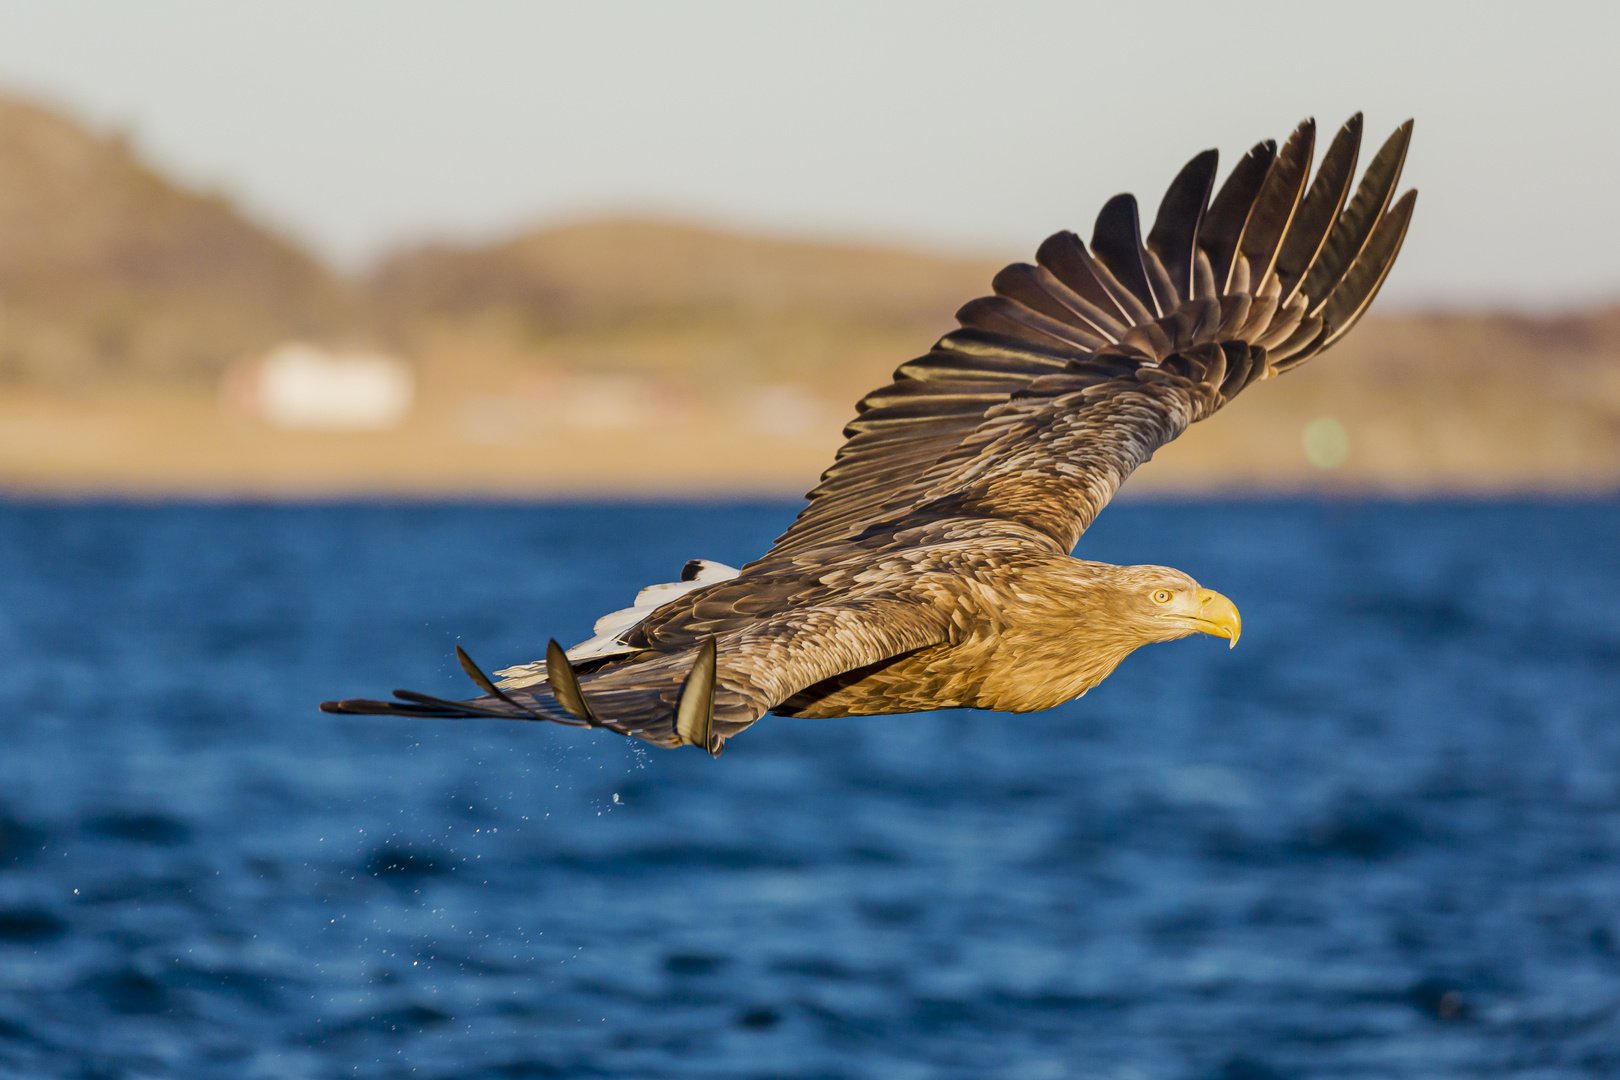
(1355, 225)
(1008, 437)
(1116, 241)
(1222, 230)
(1275, 204)
(1323, 202)
(1174, 237)
(1357, 288)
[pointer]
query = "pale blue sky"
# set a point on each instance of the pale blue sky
(358, 126)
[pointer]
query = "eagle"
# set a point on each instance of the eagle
(931, 567)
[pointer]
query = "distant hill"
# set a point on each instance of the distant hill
(110, 271)
(705, 305)
(602, 274)
(646, 357)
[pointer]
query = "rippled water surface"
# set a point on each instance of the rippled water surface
(1380, 838)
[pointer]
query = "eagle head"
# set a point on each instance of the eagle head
(1162, 604)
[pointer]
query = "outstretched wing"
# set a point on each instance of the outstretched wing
(705, 680)
(1081, 365)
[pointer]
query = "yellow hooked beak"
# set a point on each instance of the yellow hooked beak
(1217, 615)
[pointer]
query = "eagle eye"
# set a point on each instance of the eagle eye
(1162, 596)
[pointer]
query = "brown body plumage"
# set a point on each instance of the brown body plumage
(931, 568)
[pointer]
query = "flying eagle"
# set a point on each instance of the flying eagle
(931, 568)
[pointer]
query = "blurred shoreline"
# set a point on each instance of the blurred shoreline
(155, 343)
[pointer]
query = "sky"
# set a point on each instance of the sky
(360, 127)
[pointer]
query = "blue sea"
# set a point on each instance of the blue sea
(1380, 838)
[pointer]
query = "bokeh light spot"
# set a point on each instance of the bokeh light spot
(1327, 445)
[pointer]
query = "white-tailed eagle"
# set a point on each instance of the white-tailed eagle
(931, 568)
